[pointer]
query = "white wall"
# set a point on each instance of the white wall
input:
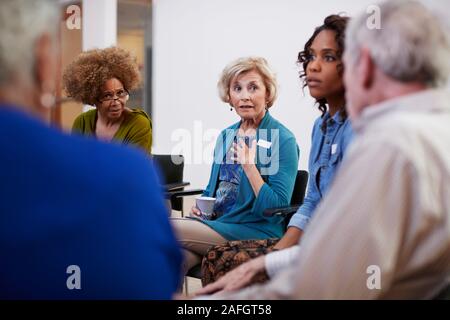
(99, 29)
(193, 41)
(100, 21)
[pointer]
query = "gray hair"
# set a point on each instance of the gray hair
(21, 23)
(411, 45)
(243, 65)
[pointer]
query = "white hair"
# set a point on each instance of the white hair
(411, 45)
(21, 23)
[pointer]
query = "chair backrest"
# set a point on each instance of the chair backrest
(171, 167)
(444, 294)
(298, 195)
(301, 181)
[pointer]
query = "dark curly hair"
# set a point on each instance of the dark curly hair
(84, 77)
(336, 23)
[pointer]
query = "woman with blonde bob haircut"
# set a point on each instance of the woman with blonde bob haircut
(255, 165)
(243, 65)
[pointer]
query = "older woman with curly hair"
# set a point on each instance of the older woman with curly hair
(103, 78)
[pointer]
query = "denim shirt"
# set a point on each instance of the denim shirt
(327, 150)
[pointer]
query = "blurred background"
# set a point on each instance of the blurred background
(182, 47)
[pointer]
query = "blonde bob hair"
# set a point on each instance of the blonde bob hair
(243, 65)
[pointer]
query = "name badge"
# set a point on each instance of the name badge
(333, 148)
(264, 144)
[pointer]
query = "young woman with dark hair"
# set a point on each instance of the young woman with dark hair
(322, 72)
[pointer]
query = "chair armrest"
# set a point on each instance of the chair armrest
(282, 212)
(168, 187)
(183, 193)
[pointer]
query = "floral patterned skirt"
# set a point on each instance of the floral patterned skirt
(225, 257)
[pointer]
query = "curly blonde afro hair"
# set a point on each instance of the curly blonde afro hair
(84, 77)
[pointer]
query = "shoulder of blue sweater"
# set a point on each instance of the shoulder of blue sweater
(234, 126)
(276, 124)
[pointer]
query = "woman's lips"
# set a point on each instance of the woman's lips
(312, 83)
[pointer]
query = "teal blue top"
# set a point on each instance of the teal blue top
(277, 161)
(229, 179)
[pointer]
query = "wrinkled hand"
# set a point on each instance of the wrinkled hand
(195, 212)
(235, 279)
(244, 154)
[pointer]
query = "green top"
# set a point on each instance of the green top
(136, 128)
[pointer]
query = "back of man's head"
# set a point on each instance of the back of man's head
(21, 23)
(408, 44)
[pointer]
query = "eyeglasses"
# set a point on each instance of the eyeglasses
(110, 96)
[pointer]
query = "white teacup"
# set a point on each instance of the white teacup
(206, 206)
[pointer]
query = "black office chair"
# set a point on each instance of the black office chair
(172, 167)
(298, 195)
(301, 181)
(444, 294)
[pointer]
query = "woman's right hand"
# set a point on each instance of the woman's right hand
(195, 212)
(235, 279)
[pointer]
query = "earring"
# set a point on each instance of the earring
(231, 108)
(47, 100)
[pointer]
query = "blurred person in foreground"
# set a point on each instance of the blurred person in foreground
(383, 230)
(66, 230)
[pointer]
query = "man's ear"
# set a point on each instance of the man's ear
(366, 68)
(45, 64)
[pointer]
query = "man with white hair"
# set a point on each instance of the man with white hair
(383, 230)
(79, 219)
